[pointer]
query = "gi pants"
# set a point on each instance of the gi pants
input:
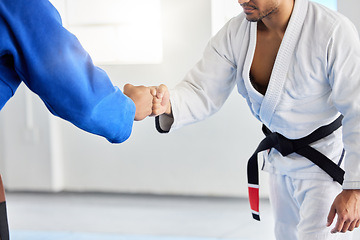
(301, 208)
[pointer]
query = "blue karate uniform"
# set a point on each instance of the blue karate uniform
(36, 49)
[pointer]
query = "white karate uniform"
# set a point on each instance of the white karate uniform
(315, 78)
(301, 207)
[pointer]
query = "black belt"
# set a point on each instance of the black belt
(287, 146)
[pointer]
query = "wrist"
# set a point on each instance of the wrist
(352, 191)
(355, 190)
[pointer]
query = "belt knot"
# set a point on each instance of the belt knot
(282, 144)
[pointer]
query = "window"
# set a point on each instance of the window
(116, 31)
(222, 11)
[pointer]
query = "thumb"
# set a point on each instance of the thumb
(161, 90)
(153, 91)
(165, 99)
(127, 87)
(331, 216)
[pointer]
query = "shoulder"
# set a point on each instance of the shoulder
(324, 19)
(237, 23)
(235, 28)
(322, 26)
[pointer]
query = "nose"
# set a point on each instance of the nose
(243, 1)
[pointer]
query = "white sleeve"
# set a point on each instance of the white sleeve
(344, 77)
(206, 86)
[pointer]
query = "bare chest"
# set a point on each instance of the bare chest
(263, 62)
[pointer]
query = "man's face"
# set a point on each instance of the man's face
(256, 10)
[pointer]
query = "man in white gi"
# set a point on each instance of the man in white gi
(297, 64)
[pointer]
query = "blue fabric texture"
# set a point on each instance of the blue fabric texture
(36, 49)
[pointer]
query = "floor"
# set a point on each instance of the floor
(90, 216)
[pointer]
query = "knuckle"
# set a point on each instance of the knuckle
(344, 216)
(155, 111)
(163, 87)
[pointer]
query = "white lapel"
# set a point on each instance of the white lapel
(254, 96)
(282, 62)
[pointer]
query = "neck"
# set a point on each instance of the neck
(279, 19)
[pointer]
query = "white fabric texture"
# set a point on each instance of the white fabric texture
(315, 78)
(301, 208)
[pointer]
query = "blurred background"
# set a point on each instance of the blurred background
(143, 42)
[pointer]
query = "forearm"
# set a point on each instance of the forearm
(54, 65)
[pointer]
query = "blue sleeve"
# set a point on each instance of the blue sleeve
(52, 63)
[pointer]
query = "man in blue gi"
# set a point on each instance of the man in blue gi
(36, 49)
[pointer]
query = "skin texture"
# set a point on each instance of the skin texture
(346, 206)
(256, 12)
(161, 101)
(142, 97)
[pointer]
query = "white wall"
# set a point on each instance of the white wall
(30, 150)
(350, 9)
(208, 158)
